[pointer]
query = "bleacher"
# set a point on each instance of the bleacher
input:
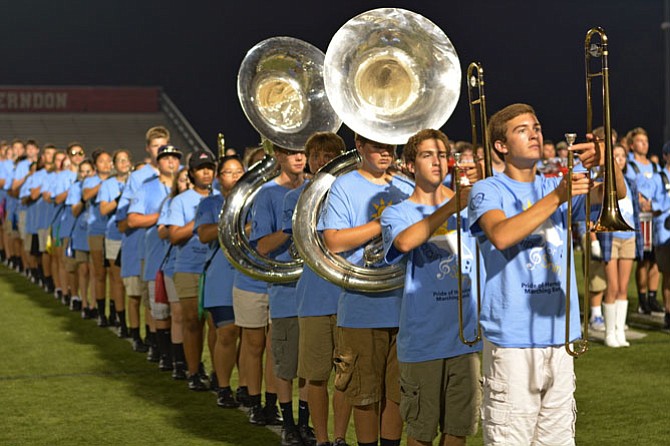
(110, 124)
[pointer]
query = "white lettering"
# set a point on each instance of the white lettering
(12, 100)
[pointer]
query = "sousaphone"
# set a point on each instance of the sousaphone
(280, 88)
(388, 73)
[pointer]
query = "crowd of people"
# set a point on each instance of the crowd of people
(76, 224)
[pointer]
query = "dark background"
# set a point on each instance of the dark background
(531, 51)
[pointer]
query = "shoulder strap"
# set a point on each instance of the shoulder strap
(655, 167)
(666, 182)
(635, 167)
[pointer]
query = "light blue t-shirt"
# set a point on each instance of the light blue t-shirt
(190, 254)
(34, 208)
(220, 274)
(80, 225)
(659, 194)
(148, 200)
(315, 296)
(97, 223)
(267, 213)
(429, 310)
(62, 183)
(354, 201)
(109, 190)
(168, 266)
(132, 241)
(523, 303)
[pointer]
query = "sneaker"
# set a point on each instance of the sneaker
(643, 306)
(58, 294)
(257, 415)
(655, 307)
(666, 325)
(242, 396)
(152, 354)
(165, 363)
(340, 442)
(139, 346)
(93, 312)
(196, 384)
(179, 371)
(66, 300)
(87, 313)
(102, 321)
(225, 399)
(597, 324)
(307, 435)
(75, 304)
(272, 416)
(290, 437)
(122, 332)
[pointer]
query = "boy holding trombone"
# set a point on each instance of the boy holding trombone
(439, 375)
(521, 223)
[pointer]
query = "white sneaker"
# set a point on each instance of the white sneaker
(597, 323)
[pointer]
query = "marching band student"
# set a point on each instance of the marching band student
(519, 219)
(640, 172)
(131, 256)
(367, 323)
(59, 191)
(21, 172)
(53, 224)
(658, 192)
(108, 198)
(271, 241)
(143, 212)
(43, 213)
(217, 292)
(12, 215)
(439, 375)
(619, 249)
(79, 239)
(97, 225)
(27, 223)
(190, 261)
(176, 320)
(317, 312)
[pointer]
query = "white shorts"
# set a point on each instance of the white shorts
(42, 235)
(112, 248)
(528, 396)
(160, 311)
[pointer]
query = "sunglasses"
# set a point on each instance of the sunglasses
(75, 153)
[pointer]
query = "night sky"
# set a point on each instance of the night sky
(531, 51)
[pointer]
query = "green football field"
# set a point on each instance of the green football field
(64, 381)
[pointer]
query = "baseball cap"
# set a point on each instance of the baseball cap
(201, 158)
(168, 150)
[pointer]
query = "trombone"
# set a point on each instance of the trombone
(610, 218)
(475, 80)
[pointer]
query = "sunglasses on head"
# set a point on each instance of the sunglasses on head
(77, 152)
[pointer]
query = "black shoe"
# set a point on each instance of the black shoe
(102, 321)
(93, 312)
(257, 415)
(195, 383)
(242, 396)
(272, 416)
(179, 371)
(152, 354)
(165, 363)
(225, 400)
(58, 295)
(75, 305)
(307, 435)
(87, 313)
(290, 437)
(655, 307)
(65, 300)
(666, 325)
(643, 305)
(139, 346)
(340, 442)
(122, 332)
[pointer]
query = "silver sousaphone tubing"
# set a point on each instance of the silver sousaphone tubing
(388, 73)
(280, 88)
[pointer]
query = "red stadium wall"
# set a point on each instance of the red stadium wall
(79, 99)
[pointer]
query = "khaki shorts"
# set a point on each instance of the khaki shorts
(173, 297)
(22, 225)
(252, 310)
(444, 394)
(133, 286)
(597, 280)
(112, 248)
(95, 242)
(366, 365)
(285, 335)
(663, 260)
(186, 285)
(623, 248)
(69, 262)
(81, 256)
(42, 235)
(317, 345)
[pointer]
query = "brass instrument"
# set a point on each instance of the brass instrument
(221, 142)
(388, 73)
(280, 88)
(476, 99)
(610, 218)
